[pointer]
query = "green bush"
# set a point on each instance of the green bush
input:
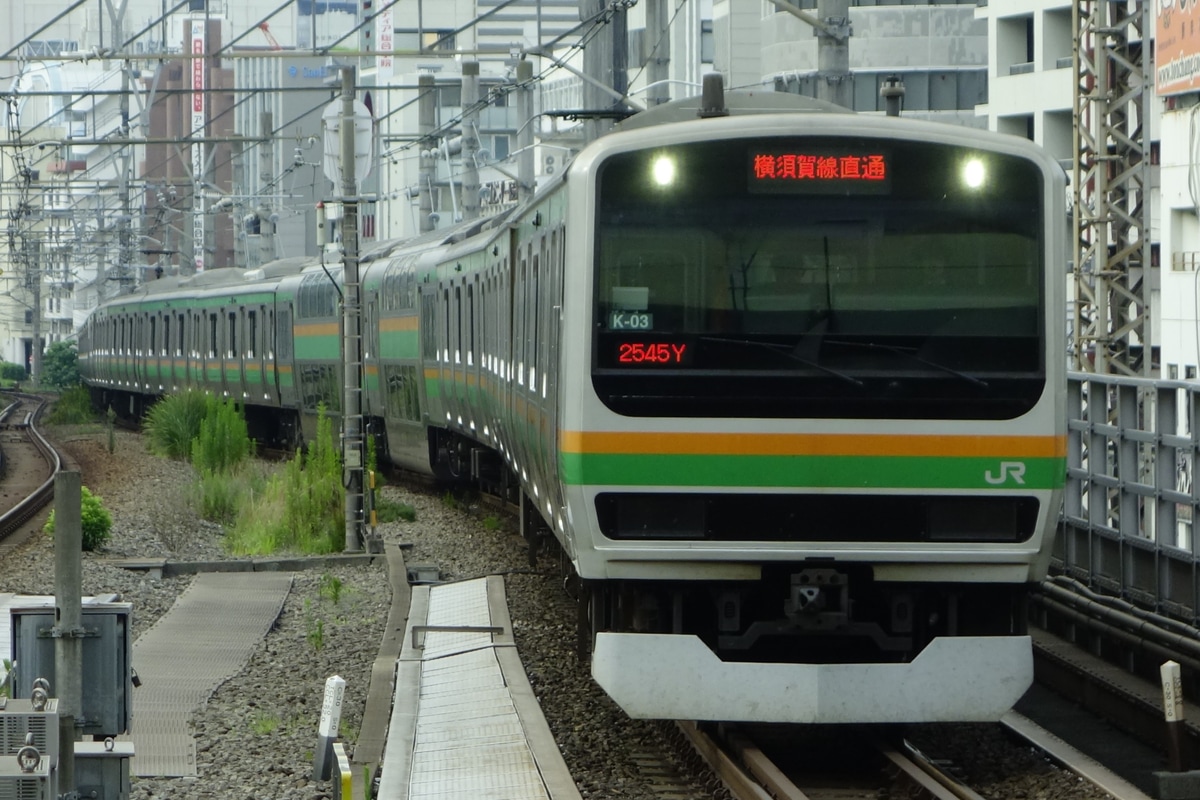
(391, 510)
(60, 365)
(173, 422)
(95, 521)
(12, 372)
(217, 496)
(222, 442)
(73, 407)
(302, 507)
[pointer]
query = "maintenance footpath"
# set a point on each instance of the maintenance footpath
(449, 713)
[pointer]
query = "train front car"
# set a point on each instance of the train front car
(817, 455)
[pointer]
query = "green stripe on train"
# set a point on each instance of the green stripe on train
(309, 348)
(865, 472)
(399, 344)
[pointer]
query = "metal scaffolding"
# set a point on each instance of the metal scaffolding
(1111, 183)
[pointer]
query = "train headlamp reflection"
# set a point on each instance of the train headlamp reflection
(663, 171)
(974, 173)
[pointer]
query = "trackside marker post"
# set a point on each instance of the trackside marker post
(331, 717)
(1172, 689)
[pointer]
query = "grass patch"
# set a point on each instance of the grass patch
(393, 510)
(300, 509)
(173, 422)
(264, 724)
(330, 588)
(73, 407)
(314, 627)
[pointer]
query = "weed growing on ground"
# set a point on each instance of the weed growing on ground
(330, 588)
(73, 407)
(264, 724)
(173, 422)
(300, 508)
(392, 510)
(314, 627)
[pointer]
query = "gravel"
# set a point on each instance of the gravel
(256, 734)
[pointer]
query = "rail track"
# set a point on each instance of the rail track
(30, 465)
(789, 762)
(751, 762)
(796, 762)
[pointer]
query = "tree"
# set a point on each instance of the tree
(60, 365)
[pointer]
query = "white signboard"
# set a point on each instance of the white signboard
(384, 43)
(198, 130)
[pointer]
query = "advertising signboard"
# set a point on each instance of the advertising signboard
(1177, 50)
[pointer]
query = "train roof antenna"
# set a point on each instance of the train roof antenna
(712, 97)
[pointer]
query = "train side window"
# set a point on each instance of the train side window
(428, 326)
(232, 343)
(471, 321)
(533, 345)
(251, 333)
(212, 335)
(446, 326)
(166, 351)
(518, 325)
(283, 333)
(152, 344)
(458, 321)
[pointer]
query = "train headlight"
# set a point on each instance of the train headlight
(663, 171)
(974, 173)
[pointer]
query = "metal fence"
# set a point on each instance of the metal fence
(1129, 501)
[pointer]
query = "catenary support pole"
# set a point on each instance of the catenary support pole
(470, 139)
(68, 619)
(352, 439)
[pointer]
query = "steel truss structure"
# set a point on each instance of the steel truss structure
(1111, 183)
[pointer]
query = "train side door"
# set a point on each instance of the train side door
(243, 354)
(138, 350)
(257, 375)
(431, 358)
(285, 367)
(149, 350)
(372, 375)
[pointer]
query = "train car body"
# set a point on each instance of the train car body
(818, 441)
(788, 388)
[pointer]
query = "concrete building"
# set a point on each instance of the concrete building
(1003, 65)
(61, 190)
(939, 51)
(1178, 199)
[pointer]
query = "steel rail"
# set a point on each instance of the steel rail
(24, 511)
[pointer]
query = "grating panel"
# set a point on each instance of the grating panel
(206, 638)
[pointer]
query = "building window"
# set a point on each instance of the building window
(500, 147)
(425, 40)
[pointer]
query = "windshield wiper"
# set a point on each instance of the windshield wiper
(912, 357)
(787, 351)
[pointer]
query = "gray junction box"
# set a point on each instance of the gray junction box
(107, 662)
(102, 770)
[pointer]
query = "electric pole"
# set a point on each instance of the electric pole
(1110, 188)
(352, 445)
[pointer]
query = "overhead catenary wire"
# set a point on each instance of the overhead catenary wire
(156, 216)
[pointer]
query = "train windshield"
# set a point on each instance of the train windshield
(819, 277)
